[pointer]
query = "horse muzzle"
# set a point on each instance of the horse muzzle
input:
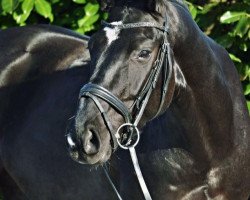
(87, 147)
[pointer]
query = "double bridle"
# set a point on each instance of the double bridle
(127, 135)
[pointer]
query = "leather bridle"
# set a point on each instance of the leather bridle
(163, 63)
(127, 135)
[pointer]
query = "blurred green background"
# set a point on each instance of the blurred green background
(226, 21)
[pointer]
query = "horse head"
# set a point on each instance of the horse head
(131, 56)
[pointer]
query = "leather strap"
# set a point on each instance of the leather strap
(107, 96)
(105, 117)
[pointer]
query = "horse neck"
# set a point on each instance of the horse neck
(211, 102)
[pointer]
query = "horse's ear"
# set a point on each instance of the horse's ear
(156, 6)
(106, 4)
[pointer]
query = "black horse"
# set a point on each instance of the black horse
(195, 139)
(42, 70)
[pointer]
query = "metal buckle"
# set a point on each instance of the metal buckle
(117, 135)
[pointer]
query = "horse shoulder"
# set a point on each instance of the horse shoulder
(27, 52)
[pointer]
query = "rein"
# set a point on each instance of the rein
(127, 132)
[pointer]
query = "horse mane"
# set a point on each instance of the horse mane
(140, 4)
(179, 2)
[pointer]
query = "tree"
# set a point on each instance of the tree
(79, 15)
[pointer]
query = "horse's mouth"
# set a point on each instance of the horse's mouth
(77, 153)
(90, 160)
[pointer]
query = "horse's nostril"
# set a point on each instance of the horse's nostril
(91, 143)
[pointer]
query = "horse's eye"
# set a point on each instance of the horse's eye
(144, 54)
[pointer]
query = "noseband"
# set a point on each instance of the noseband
(127, 135)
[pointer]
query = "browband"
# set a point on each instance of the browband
(133, 25)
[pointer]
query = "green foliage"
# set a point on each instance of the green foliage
(80, 15)
(9, 5)
(91, 16)
(228, 22)
(44, 9)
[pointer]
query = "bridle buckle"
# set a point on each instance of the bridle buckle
(132, 142)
